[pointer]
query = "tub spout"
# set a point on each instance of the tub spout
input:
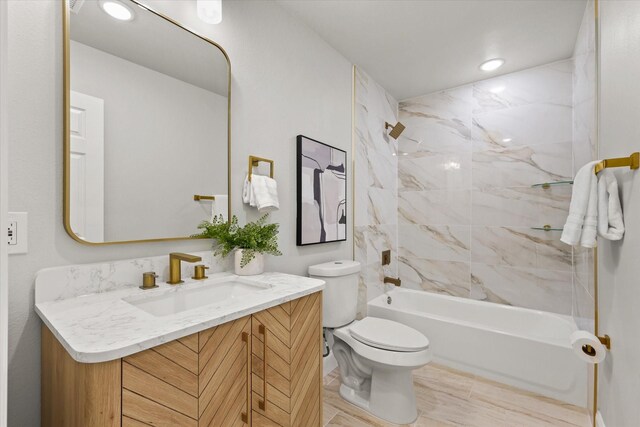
(392, 280)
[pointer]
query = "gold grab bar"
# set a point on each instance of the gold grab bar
(254, 161)
(633, 162)
(198, 197)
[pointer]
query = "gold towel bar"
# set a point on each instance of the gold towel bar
(633, 162)
(254, 161)
(198, 197)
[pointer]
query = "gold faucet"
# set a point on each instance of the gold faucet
(175, 273)
(393, 281)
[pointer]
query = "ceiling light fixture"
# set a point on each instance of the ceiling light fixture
(210, 11)
(117, 10)
(497, 89)
(492, 64)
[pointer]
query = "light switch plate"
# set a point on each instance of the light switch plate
(17, 236)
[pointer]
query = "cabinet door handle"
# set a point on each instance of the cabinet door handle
(262, 404)
(245, 415)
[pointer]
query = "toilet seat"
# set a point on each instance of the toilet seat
(408, 359)
(388, 335)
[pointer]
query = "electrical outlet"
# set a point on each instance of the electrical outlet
(386, 257)
(17, 233)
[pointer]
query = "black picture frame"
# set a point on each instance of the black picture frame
(341, 205)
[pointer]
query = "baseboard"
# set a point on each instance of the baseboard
(599, 420)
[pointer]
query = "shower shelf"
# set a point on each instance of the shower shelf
(546, 227)
(546, 185)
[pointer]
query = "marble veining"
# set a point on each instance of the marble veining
(465, 201)
(101, 326)
(376, 186)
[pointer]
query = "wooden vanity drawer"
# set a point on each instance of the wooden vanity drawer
(160, 387)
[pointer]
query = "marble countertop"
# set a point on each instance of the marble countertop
(99, 327)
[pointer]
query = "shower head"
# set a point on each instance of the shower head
(395, 130)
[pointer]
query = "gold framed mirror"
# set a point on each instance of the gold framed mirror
(147, 142)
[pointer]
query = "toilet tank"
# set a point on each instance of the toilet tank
(340, 295)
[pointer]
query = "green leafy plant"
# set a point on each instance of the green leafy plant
(255, 237)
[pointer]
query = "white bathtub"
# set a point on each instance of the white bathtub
(524, 348)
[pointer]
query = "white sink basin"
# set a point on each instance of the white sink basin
(196, 296)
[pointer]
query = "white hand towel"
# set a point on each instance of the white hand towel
(590, 226)
(247, 192)
(265, 192)
(583, 209)
(610, 218)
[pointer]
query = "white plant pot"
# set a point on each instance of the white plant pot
(256, 266)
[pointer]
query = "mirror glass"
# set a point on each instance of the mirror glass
(148, 106)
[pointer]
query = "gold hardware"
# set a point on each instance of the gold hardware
(175, 272)
(245, 415)
(66, 114)
(546, 185)
(606, 341)
(262, 403)
(588, 350)
(199, 273)
(393, 281)
(255, 161)
(633, 162)
(149, 280)
(386, 257)
(546, 227)
(395, 130)
(198, 197)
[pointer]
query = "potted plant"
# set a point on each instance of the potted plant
(250, 242)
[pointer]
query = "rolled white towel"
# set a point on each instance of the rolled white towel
(265, 193)
(583, 209)
(610, 217)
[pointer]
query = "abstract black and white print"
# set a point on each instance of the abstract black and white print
(322, 193)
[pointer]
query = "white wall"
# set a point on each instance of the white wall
(164, 141)
(4, 188)
(286, 81)
(619, 270)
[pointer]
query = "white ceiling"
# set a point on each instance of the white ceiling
(152, 42)
(414, 47)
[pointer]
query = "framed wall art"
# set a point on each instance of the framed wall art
(322, 192)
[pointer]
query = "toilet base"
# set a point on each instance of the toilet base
(391, 396)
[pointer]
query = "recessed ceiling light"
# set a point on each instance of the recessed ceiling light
(210, 11)
(497, 89)
(507, 140)
(492, 64)
(117, 10)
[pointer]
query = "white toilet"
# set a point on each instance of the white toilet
(376, 356)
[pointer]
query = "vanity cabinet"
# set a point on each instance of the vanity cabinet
(264, 369)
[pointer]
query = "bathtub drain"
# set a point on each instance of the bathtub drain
(388, 300)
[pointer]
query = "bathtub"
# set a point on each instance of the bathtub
(525, 348)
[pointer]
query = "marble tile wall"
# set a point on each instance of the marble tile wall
(584, 150)
(465, 202)
(376, 186)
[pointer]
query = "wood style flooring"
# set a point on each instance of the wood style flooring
(448, 398)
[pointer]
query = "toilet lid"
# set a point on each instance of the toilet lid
(388, 335)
